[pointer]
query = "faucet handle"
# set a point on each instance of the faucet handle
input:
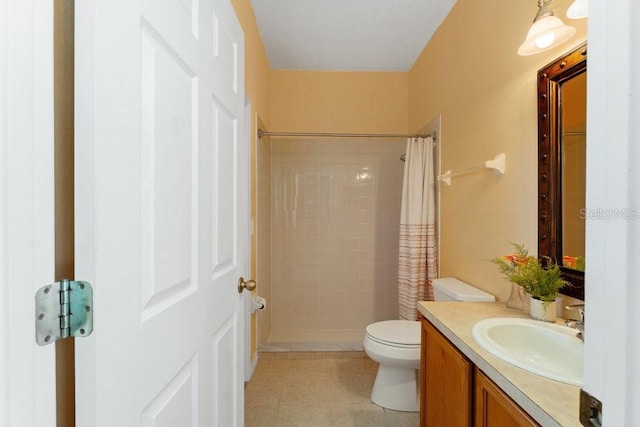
(579, 307)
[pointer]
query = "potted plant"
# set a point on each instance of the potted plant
(540, 278)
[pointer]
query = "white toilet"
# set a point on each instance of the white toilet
(395, 345)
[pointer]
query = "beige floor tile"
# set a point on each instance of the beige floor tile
(261, 374)
(402, 419)
(261, 416)
(352, 366)
(359, 415)
(322, 389)
(300, 377)
(309, 365)
(312, 390)
(304, 416)
(269, 366)
(270, 355)
(262, 392)
(310, 355)
(354, 388)
(282, 366)
(346, 355)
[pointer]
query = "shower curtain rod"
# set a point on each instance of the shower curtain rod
(262, 133)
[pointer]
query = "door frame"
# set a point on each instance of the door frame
(612, 295)
(250, 325)
(27, 371)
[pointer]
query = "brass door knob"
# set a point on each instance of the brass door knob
(249, 285)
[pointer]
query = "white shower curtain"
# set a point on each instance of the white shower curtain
(417, 263)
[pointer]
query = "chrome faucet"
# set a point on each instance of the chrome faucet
(575, 323)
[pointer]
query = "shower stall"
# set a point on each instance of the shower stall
(327, 239)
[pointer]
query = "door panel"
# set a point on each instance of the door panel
(169, 148)
(176, 404)
(161, 212)
(225, 385)
(224, 253)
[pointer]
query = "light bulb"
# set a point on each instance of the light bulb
(545, 33)
(545, 40)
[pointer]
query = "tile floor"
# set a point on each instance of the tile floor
(317, 389)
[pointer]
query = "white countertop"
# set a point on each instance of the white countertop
(549, 402)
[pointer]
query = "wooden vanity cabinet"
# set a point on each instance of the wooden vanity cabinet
(492, 406)
(445, 383)
(453, 392)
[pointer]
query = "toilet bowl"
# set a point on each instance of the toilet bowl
(395, 345)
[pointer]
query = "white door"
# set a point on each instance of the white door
(27, 371)
(161, 211)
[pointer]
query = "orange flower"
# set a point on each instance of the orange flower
(514, 259)
(570, 261)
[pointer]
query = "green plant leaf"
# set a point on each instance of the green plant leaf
(528, 272)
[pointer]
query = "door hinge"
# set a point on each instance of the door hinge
(63, 309)
(590, 410)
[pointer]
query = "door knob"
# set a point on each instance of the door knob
(248, 285)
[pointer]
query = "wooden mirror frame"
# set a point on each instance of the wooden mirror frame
(550, 78)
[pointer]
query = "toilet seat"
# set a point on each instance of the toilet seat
(395, 333)
(391, 344)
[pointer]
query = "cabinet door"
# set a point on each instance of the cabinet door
(446, 386)
(494, 408)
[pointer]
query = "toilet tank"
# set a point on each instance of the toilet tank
(452, 289)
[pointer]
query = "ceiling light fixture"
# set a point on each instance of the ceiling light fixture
(547, 31)
(578, 9)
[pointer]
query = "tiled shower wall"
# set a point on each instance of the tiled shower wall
(335, 210)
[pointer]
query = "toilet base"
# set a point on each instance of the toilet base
(396, 388)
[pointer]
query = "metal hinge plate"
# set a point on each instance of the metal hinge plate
(590, 410)
(63, 309)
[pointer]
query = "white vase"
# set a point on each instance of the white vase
(518, 298)
(540, 311)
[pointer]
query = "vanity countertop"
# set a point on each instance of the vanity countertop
(549, 402)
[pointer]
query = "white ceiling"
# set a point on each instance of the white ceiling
(347, 35)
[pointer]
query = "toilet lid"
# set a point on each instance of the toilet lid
(401, 332)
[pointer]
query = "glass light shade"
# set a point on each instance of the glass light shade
(544, 34)
(578, 9)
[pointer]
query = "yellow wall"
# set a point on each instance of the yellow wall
(574, 165)
(574, 101)
(352, 102)
(257, 70)
(470, 73)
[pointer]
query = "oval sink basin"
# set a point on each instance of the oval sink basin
(546, 349)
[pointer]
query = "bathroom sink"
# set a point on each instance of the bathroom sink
(546, 349)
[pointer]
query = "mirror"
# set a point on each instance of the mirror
(562, 165)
